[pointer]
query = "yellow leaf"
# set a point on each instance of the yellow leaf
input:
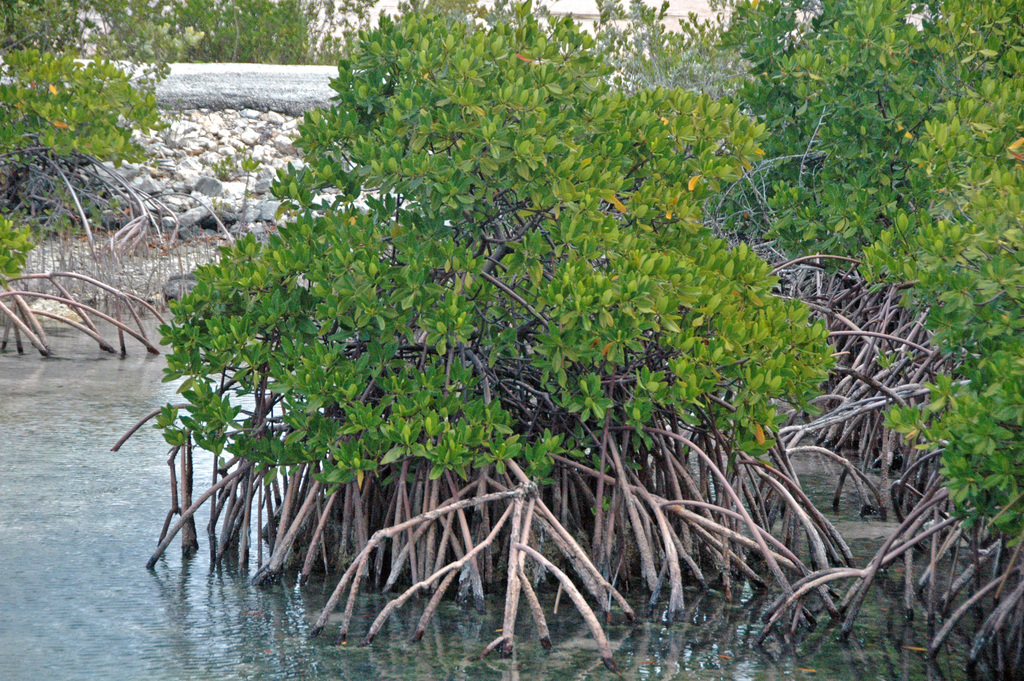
(754, 3)
(759, 152)
(664, 120)
(668, 215)
(60, 125)
(1016, 145)
(359, 478)
(604, 352)
(916, 649)
(908, 135)
(693, 182)
(53, 90)
(614, 200)
(759, 433)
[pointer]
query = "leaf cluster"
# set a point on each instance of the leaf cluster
(58, 116)
(56, 102)
(15, 244)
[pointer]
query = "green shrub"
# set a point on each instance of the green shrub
(968, 265)
(844, 96)
(904, 145)
(69, 107)
(530, 268)
(645, 54)
(264, 31)
(57, 116)
(47, 25)
(135, 32)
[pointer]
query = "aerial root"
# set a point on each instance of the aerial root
(581, 605)
(930, 529)
(359, 563)
(523, 514)
(25, 319)
(187, 514)
(436, 532)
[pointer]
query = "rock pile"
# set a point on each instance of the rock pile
(195, 167)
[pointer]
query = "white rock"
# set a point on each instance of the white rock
(268, 210)
(180, 128)
(148, 185)
(190, 164)
(283, 144)
(191, 217)
(263, 181)
(249, 137)
(274, 118)
(128, 171)
(187, 178)
(210, 158)
(234, 189)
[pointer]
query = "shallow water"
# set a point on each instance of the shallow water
(78, 522)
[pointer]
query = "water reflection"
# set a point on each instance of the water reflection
(77, 523)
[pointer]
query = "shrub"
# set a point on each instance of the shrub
(902, 143)
(47, 25)
(68, 107)
(527, 227)
(968, 266)
(57, 116)
(15, 243)
(512, 282)
(264, 31)
(646, 54)
(136, 33)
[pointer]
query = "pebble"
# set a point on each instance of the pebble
(249, 137)
(209, 186)
(198, 157)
